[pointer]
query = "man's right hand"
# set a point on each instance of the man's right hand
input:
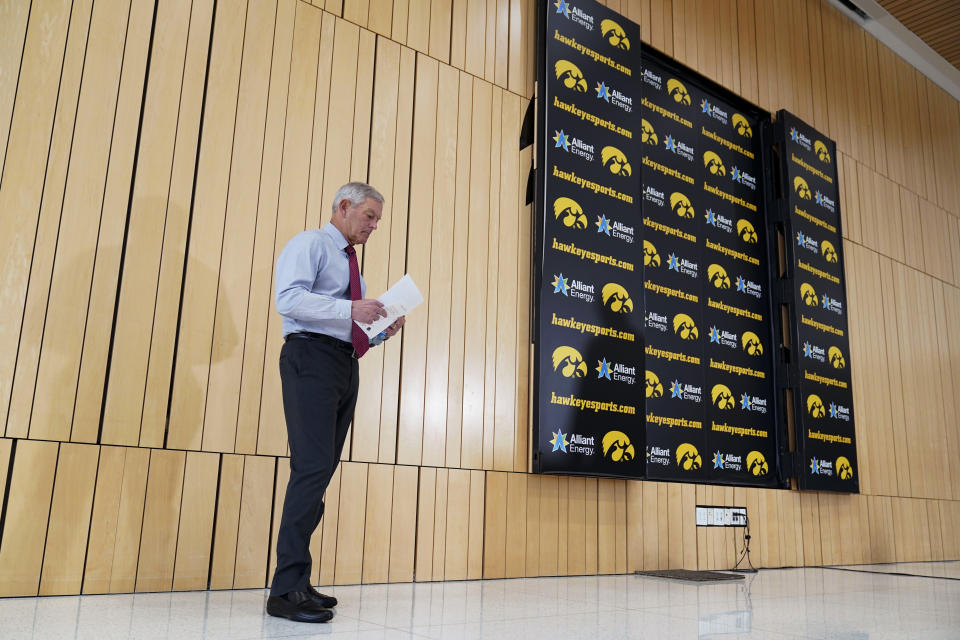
(367, 311)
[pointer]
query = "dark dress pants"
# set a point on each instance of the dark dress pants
(320, 381)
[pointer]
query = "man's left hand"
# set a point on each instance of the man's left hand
(396, 326)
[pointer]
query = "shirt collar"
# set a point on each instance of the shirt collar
(335, 235)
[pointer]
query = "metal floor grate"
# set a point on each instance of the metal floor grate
(692, 576)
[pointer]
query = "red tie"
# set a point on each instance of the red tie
(361, 343)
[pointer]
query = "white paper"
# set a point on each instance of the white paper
(397, 301)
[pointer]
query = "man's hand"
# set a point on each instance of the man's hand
(367, 311)
(396, 326)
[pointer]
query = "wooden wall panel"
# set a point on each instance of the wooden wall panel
(253, 534)
(197, 509)
(161, 518)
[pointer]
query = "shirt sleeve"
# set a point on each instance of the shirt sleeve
(297, 268)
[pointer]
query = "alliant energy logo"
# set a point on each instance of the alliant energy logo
(688, 458)
(679, 148)
(684, 391)
(722, 397)
(614, 96)
(723, 337)
(658, 455)
(568, 362)
(573, 145)
(825, 202)
(615, 34)
(757, 464)
(829, 252)
(616, 447)
(647, 133)
(652, 79)
(815, 406)
(839, 412)
(749, 287)
(801, 187)
(807, 242)
(650, 194)
(741, 177)
(713, 111)
(820, 467)
(727, 461)
(682, 265)
(719, 221)
(718, 277)
(656, 321)
(800, 139)
(650, 256)
(569, 213)
(746, 231)
(822, 152)
(844, 468)
(814, 352)
(616, 372)
(653, 388)
(809, 295)
(575, 14)
(614, 228)
(614, 160)
(742, 126)
(678, 92)
(570, 76)
(684, 327)
(713, 163)
(573, 288)
(681, 205)
(559, 441)
(616, 298)
(837, 360)
(831, 304)
(751, 343)
(581, 444)
(753, 403)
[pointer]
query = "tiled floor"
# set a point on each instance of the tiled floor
(782, 603)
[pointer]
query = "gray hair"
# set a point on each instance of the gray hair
(356, 193)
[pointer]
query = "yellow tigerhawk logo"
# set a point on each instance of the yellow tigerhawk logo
(722, 397)
(688, 457)
(570, 213)
(844, 468)
(821, 150)
(679, 93)
(741, 126)
(616, 298)
(653, 387)
(801, 187)
(746, 231)
(684, 327)
(615, 34)
(681, 205)
(751, 343)
(570, 75)
(650, 256)
(757, 464)
(828, 251)
(569, 362)
(808, 295)
(647, 134)
(714, 164)
(836, 358)
(614, 160)
(718, 277)
(815, 406)
(616, 446)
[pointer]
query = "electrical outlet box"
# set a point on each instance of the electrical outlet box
(713, 516)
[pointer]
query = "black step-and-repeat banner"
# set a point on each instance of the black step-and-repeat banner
(820, 371)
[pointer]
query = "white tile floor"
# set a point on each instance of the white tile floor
(782, 603)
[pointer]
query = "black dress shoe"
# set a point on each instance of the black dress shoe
(299, 606)
(328, 602)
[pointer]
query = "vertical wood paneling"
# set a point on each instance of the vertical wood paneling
(161, 518)
(228, 522)
(253, 534)
(403, 532)
(197, 509)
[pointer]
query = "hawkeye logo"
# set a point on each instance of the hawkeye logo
(807, 242)
(573, 288)
(678, 92)
(746, 231)
(653, 387)
(815, 406)
(647, 134)
(722, 397)
(652, 195)
(844, 468)
(650, 256)
(714, 164)
(727, 462)
(652, 79)
(749, 287)
(751, 343)
(719, 221)
(802, 188)
(614, 229)
(682, 265)
(570, 213)
(616, 298)
(568, 362)
(658, 455)
(684, 327)
(614, 97)
(570, 76)
(571, 12)
(832, 304)
(820, 467)
(836, 358)
(741, 126)
(718, 277)
(757, 464)
(713, 111)
(615, 34)
(808, 295)
(683, 391)
(559, 441)
(741, 177)
(825, 202)
(679, 148)
(614, 371)
(829, 252)
(814, 352)
(616, 447)
(822, 152)
(839, 412)
(688, 458)
(654, 320)
(723, 337)
(681, 205)
(799, 138)
(753, 403)
(576, 146)
(614, 160)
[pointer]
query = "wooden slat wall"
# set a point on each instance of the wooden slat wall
(157, 156)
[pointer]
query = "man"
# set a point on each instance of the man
(320, 295)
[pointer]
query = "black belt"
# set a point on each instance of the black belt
(322, 337)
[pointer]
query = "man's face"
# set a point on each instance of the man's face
(361, 220)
